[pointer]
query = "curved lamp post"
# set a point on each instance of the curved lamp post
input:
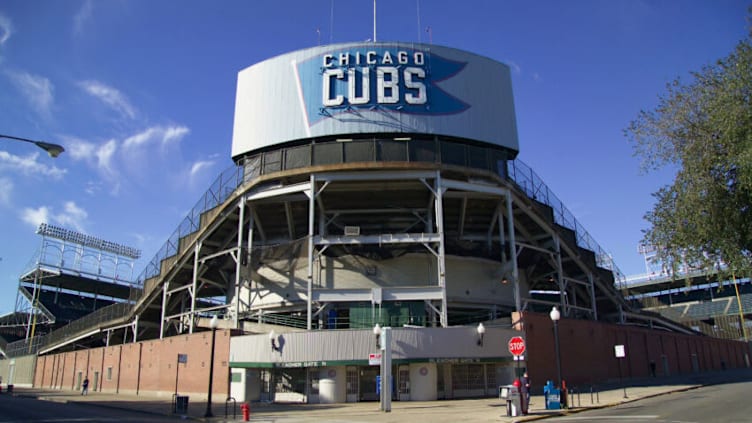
(53, 150)
(213, 324)
(555, 315)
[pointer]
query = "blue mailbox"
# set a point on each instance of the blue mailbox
(552, 396)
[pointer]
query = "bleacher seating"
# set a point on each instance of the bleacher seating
(746, 300)
(708, 309)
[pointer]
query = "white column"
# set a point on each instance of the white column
(332, 385)
(423, 381)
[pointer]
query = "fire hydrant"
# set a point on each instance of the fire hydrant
(246, 409)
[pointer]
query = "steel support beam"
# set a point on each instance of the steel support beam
(239, 258)
(311, 210)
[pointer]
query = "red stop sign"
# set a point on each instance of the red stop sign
(517, 345)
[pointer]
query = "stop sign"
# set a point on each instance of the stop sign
(517, 345)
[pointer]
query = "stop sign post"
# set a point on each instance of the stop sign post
(517, 348)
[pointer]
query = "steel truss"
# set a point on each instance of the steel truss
(182, 302)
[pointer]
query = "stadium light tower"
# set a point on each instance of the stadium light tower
(53, 150)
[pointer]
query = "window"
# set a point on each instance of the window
(467, 377)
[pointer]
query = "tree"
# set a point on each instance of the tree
(704, 130)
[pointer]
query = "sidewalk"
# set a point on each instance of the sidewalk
(444, 411)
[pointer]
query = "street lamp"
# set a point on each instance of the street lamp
(377, 333)
(213, 324)
(555, 316)
(481, 331)
(53, 150)
(273, 340)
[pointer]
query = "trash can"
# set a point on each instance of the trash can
(181, 404)
(378, 386)
(511, 395)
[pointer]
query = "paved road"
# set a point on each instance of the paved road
(30, 410)
(725, 403)
(701, 392)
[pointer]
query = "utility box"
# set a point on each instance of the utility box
(511, 395)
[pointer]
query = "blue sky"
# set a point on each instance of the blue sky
(142, 93)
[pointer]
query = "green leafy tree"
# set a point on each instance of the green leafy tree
(703, 129)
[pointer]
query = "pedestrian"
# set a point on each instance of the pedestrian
(525, 391)
(85, 389)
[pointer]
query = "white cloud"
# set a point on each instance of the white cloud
(199, 166)
(72, 216)
(6, 189)
(79, 149)
(175, 133)
(109, 96)
(35, 217)
(92, 187)
(141, 138)
(29, 166)
(6, 29)
(99, 156)
(38, 90)
(104, 153)
(156, 134)
(83, 15)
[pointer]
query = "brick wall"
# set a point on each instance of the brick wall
(587, 351)
(148, 367)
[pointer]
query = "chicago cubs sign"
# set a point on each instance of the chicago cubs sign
(347, 89)
(396, 80)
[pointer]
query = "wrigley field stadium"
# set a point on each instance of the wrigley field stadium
(375, 189)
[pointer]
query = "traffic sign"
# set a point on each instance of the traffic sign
(374, 359)
(516, 345)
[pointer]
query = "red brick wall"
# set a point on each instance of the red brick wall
(587, 351)
(147, 367)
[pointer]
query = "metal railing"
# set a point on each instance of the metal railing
(221, 189)
(532, 185)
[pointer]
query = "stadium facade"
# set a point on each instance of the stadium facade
(375, 184)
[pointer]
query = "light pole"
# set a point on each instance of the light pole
(213, 325)
(53, 150)
(555, 316)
